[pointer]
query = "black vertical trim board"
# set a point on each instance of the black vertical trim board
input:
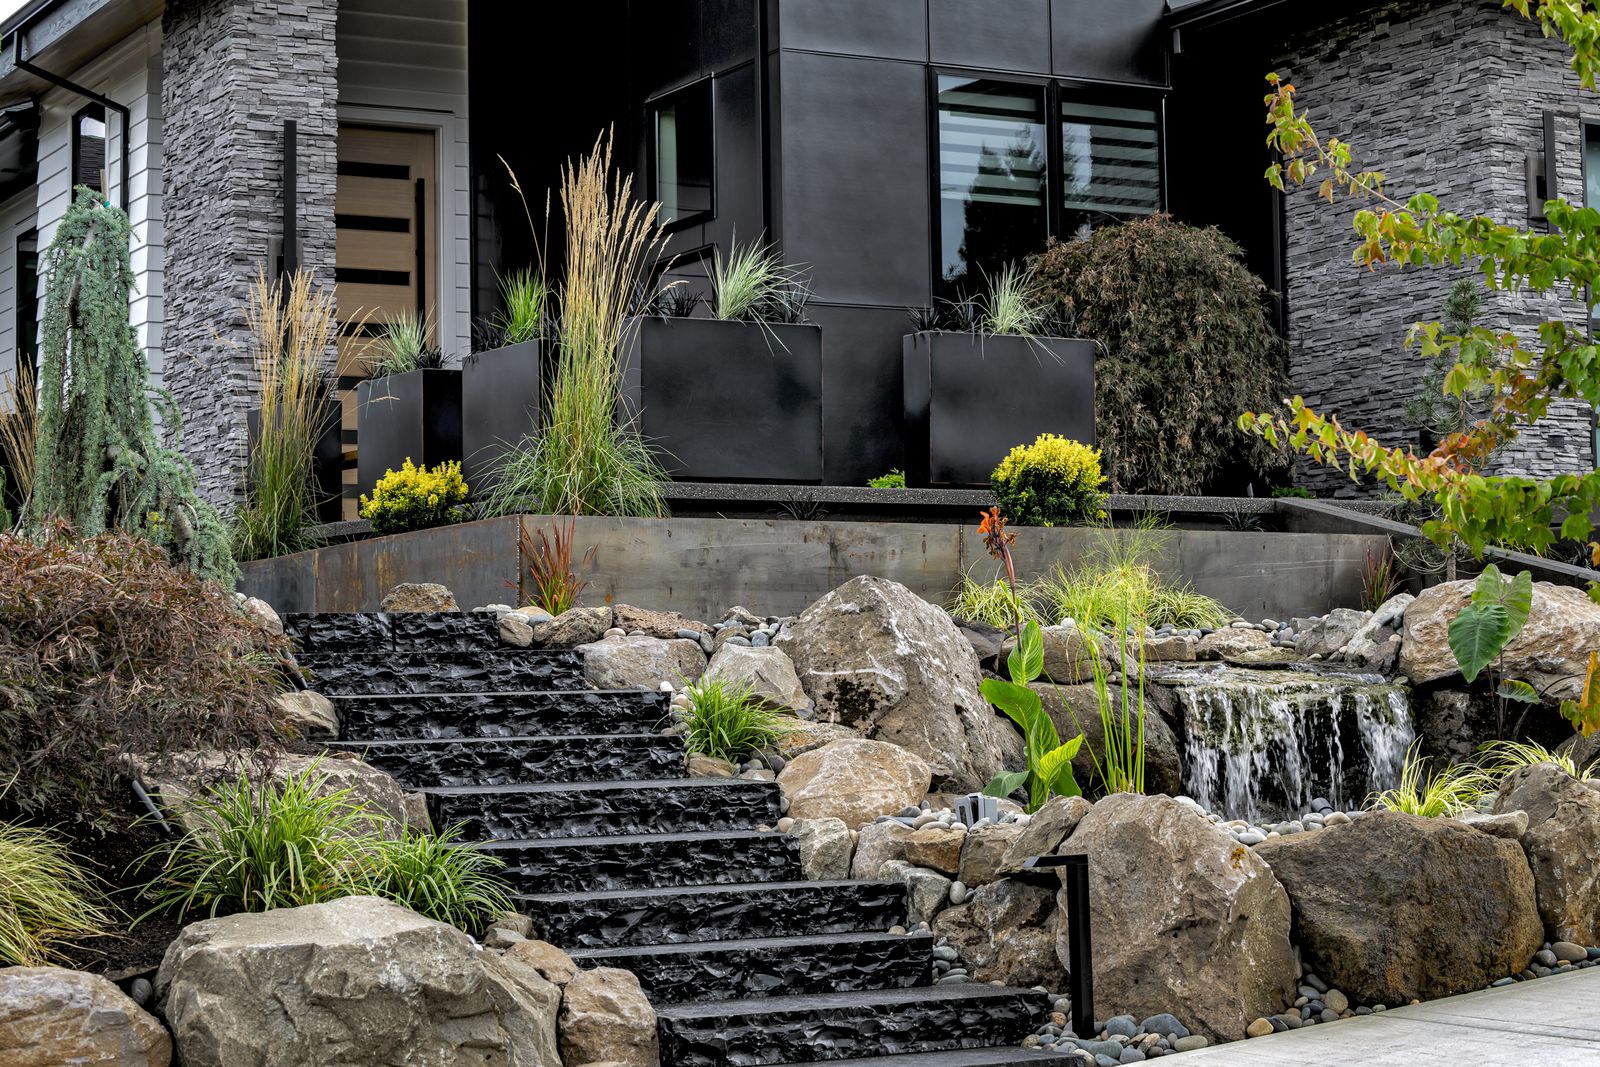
(422, 246)
(291, 196)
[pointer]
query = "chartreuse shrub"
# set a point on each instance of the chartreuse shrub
(416, 498)
(108, 651)
(1433, 794)
(992, 602)
(1052, 482)
(45, 897)
(727, 721)
(895, 479)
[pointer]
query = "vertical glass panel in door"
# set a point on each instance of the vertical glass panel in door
(991, 179)
(685, 157)
(1110, 165)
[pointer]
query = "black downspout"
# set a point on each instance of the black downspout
(87, 93)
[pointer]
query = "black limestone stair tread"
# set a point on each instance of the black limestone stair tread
(428, 762)
(395, 671)
(1002, 1056)
(592, 864)
(385, 716)
(362, 631)
(595, 809)
(770, 966)
(692, 913)
(838, 1026)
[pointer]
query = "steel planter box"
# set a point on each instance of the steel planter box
(500, 391)
(415, 416)
(727, 401)
(970, 398)
(327, 458)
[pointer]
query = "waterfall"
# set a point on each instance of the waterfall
(1261, 744)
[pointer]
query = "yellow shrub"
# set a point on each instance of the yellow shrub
(1052, 482)
(415, 498)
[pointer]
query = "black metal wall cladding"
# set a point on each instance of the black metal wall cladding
(728, 804)
(374, 631)
(715, 913)
(396, 672)
(452, 715)
(600, 864)
(514, 760)
(752, 968)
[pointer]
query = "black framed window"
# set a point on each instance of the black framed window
(1019, 161)
(89, 147)
(27, 297)
(683, 154)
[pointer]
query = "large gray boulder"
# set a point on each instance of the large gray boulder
(1328, 635)
(50, 1017)
(1076, 708)
(1392, 907)
(573, 627)
(766, 671)
(1007, 933)
(606, 1018)
(1562, 843)
(1551, 652)
(875, 656)
(1376, 646)
(1184, 918)
(641, 662)
(355, 981)
(853, 780)
(825, 848)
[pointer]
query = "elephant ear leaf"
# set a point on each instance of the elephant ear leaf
(1055, 768)
(1518, 602)
(1026, 661)
(1477, 636)
(1005, 783)
(1518, 690)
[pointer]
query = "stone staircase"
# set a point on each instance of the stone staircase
(624, 862)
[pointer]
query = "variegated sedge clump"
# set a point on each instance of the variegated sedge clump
(1052, 482)
(416, 498)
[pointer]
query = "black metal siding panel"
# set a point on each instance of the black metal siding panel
(881, 29)
(1005, 35)
(862, 432)
(1096, 40)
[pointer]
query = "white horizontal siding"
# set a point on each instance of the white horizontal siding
(16, 218)
(405, 62)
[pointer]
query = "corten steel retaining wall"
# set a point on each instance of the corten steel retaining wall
(702, 567)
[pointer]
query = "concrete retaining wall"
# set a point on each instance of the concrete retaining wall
(701, 567)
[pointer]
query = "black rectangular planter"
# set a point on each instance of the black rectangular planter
(727, 401)
(970, 398)
(500, 391)
(327, 459)
(415, 416)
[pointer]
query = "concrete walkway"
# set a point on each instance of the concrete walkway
(1553, 1021)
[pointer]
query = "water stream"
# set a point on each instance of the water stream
(1261, 744)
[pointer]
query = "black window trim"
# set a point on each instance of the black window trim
(92, 181)
(652, 127)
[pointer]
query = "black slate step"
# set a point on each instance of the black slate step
(838, 1026)
(599, 809)
(377, 631)
(1003, 1056)
(685, 914)
(441, 715)
(336, 674)
(518, 760)
(776, 966)
(642, 861)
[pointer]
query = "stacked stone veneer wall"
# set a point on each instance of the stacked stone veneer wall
(1443, 96)
(235, 70)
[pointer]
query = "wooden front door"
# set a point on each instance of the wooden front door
(387, 245)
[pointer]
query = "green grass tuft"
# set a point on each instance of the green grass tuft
(438, 877)
(727, 721)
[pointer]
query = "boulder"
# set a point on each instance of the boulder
(986, 642)
(306, 715)
(357, 980)
(554, 965)
(825, 848)
(1562, 843)
(1551, 652)
(1076, 708)
(766, 671)
(927, 892)
(605, 1016)
(983, 851)
(1173, 649)
(573, 627)
(1583, 751)
(1069, 656)
(702, 766)
(1329, 634)
(1045, 830)
(262, 614)
(50, 1017)
(1229, 643)
(937, 848)
(662, 624)
(1376, 646)
(1183, 916)
(876, 844)
(855, 780)
(798, 736)
(641, 662)
(418, 596)
(1007, 933)
(1510, 825)
(516, 629)
(878, 658)
(1392, 907)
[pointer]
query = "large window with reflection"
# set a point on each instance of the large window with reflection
(683, 154)
(1021, 161)
(89, 147)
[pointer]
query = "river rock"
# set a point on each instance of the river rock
(641, 662)
(50, 1017)
(1392, 907)
(984, 850)
(878, 658)
(1052, 824)
(825, 848)
(1007, 933)
(573, 627)
(1076, 709)
(1184, 918)
(662, 624)
(855, 780)
(767, 672)
(306, 715)
(418, 596)
(1229, 642)
(1563, 847)
(1328, 635)
(606, 1016)
(358, 980)
(876, 844)
(936, 847)
(1551, 652)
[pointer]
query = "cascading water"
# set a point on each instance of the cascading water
(1261, 744)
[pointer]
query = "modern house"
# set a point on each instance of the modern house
(893, 146)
